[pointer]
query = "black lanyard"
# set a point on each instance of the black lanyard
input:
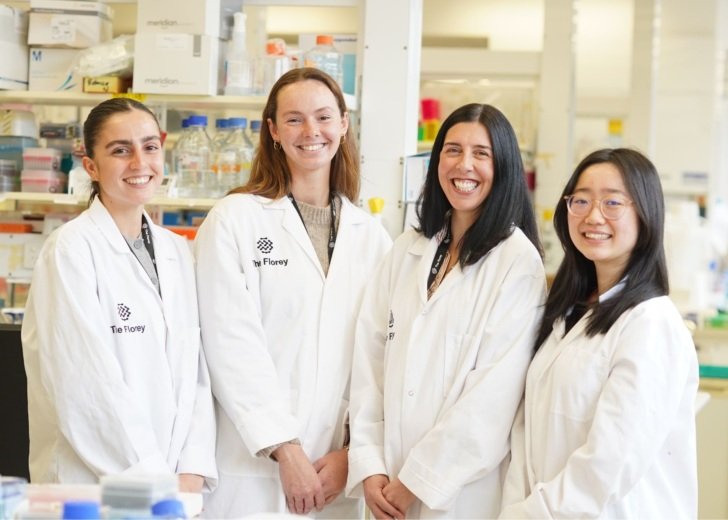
(147, 236)
(439, 256)
(332, 228)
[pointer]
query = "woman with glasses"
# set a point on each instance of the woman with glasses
(446, 330)
(607, 428)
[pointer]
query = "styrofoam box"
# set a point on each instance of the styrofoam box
(42, 159)
(173, 16)
(13, 24)
(18, 123)
(50, 70)
(64, 23)
(43, 181)
(176, 63)
(13, 48)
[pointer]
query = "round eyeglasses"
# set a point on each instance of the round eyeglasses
(612, 208)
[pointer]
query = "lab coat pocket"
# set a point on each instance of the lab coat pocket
(581, 375)
(452, 374)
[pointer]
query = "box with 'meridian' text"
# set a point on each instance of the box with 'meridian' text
(176, 63)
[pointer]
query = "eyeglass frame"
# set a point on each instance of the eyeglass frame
(567, 198)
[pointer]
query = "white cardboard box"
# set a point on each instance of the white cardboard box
(176, 63)
(66, 23)
(175, 16)
(53, 69)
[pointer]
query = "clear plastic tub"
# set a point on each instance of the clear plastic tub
(43, 181)
(42, 159)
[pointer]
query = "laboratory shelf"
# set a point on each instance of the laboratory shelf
(25, 97)
(71, 200)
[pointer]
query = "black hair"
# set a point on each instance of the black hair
(96, 120)
(507, 204)
(644, 276)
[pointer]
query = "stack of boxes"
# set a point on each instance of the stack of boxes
(178, 47)
(58, 30)
(41, 171)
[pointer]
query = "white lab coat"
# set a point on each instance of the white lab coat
(278, 337)
(608, 427)
(436, 383)
(116, 378)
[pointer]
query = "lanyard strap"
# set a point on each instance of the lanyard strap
(147, 236)
(332, 228)
(439, 256)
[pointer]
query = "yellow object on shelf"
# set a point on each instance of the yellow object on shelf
(376, 205)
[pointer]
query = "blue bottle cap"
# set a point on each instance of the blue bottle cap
(169, 508)
(81, 510)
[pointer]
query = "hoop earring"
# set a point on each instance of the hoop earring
(276, 145)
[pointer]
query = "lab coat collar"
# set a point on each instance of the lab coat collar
(292, 223)
(426, 248)
(577, 331)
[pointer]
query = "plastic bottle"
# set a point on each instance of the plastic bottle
(255, 132)
(81, 510)
(239, 65)
(235, 156)
(170, 508)
(178, 145)
(195, 175)
(275, 63)
(326, 57)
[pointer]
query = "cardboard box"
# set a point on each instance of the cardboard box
(173, 16)
(175, 63)
(74, 24)
(53, 69)
(107, 84)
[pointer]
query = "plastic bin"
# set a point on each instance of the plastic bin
(43, 181)
(42, 159)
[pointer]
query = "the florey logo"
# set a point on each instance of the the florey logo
(124, 311)
(265, 245)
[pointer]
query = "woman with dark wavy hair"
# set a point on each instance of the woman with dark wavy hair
(446, 331)
(281, 265)
(608, 425)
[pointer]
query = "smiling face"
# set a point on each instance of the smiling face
(309, 126)
(607, 243)
(465, 170)
(128, 160)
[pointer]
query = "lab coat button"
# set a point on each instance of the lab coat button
(411, 393)
(138, 244)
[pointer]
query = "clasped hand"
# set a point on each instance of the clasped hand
(310, 486)
(387, 499)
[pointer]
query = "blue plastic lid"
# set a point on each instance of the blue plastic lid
(238, 122)
(197, 120)
(186, 122)
(221, 123)
(169, 508)
(255, 124)
(81, 510)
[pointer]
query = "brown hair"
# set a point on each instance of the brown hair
(270, 176)
(97, 119)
